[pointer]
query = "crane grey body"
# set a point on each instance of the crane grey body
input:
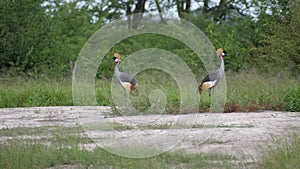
(212, 79)
(125, 79)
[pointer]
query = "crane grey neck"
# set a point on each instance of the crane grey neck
(221, 69)
(117, 71)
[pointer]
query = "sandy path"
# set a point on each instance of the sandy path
(237, 134)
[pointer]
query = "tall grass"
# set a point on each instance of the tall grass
(283, 154)
(23, 92)
(249, 91)
(246, 91)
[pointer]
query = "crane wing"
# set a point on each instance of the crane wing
(125, 77)
(211, 77)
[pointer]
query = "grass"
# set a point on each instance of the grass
(28, 155)
(160, 94)
(251, 92)
(22, 92)
(62, 148)
(284, 154)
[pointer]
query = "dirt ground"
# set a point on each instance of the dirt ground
(241, 135)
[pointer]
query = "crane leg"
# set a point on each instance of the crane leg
(211, 91)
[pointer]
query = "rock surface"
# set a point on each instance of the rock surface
(241, 135)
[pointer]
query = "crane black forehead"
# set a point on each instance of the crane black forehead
(114, 58)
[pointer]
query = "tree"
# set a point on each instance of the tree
(223, 10)
(24, 35)
(279, 48)
(71, 27)
(183, 7)
(138, 11)
(43, 38)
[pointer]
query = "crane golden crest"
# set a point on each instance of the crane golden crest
(219, 51)
(118, 56)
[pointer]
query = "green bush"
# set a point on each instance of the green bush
(291, 101)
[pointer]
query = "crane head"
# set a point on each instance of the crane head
(116, 58)
(222, 53)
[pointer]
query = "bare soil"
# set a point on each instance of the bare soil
(241, 135)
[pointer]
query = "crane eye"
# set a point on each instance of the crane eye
(224, 53)
(115, 59)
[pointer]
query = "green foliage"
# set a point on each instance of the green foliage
(291, 100)
(279, 48)
(24, 37)
(36, 39)
(145, 41)
(32, 41)
(237, 37)
(44, 39)
(70, 28)
(229, 37)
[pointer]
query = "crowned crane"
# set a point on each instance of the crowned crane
(212, 79)
(125, 79)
